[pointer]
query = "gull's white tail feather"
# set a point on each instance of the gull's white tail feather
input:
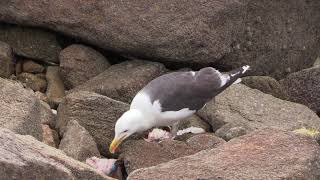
(245, 68)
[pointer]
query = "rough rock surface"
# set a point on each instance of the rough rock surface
(267, 154)
(80, 63)
(156, 153)
(317, 62)
(18, 67)
(41, 96)
(153, 153)
(23, 157)
(33, 82)
(304, 87)
(194, 121)
(6, 60)
(78, 143)
(32, 67)
(46, 115)
(275, 37)
(233, 130)
(96, 113)
(204, 141)
(241, 104)
(19, 109)
(122, 81)
(50, 136)
(55, 90)
(265, 84)
(30, 42)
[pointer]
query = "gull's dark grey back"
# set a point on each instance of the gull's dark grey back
(179, 90)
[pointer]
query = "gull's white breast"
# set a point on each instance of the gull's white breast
(153, 111)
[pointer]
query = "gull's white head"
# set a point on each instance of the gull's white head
(129, 123)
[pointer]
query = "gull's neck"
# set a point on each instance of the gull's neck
(147, 119)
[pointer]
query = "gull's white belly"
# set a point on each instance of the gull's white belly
(142, 102)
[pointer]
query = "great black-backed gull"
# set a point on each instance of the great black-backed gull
(170, 98)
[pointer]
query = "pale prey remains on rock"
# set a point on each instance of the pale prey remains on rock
(158, 135)
(109, 167)
(170, 98)
(105, 166)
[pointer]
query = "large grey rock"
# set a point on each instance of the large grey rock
(122, 81)
(96, 113)
(304, 87)
(41, 96)
(19, 109)
(204, 141)
(24, 158)
(241, 104)
(6, 60)
(31, 42)
(46, 115)
(80, 63)
(32, 67)
(18, 67)
(78, 143)
(33, 82)
(157, 153)
(279, 36)
(55, 90)
(267, 154)
(194, 121)
(50, 136)
(233, 130)
(265, 84)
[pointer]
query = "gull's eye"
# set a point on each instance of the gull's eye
(125, 131)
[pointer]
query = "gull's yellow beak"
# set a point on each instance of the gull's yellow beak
(115, 144)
